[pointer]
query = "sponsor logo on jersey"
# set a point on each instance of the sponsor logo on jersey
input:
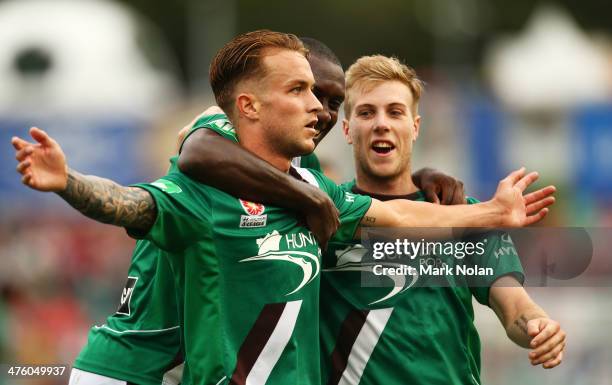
(252, 208)
(351, 259)
(252, 221)
(269, 250)
(126, 296)
(167, 186)
(348, 197)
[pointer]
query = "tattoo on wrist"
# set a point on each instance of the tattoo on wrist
(521, 323)
(369, 220)
(108, 202)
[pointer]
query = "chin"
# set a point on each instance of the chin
(307, 147)
(383, 172)
(301, 149)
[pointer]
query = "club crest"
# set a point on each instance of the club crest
(252, 208)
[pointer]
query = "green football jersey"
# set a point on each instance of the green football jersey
(399, 334)
(141, 342)
(249, 278)
(220, 124)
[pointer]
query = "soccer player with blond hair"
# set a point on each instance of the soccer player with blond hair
(247, 275)
(413, 331)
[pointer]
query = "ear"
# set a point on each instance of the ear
(247, 106)
(346, 131)
(416, 127)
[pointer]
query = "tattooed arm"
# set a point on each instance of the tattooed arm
(108, 202)
(43, 166)
(526, 323)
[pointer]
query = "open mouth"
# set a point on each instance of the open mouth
(382, 147)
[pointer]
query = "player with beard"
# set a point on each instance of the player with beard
(144, 333)
(251, 321)
(208, 157)
(424, 334)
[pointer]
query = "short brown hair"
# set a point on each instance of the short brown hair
(372, 70)
(241, 59)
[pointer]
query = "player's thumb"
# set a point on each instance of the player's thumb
(533, 327)
(40, 136)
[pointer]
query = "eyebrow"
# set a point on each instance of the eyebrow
(365, 105)
(297, 82)
(394, 104)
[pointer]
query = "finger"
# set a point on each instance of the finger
(323, 246)
(533, 327)
(531, 219)
(550, 329)
(550, 355)
(525, 181)
(448, 192)
(548, 345)
(40, 136)
(537, 206)
(19, 143)
(538, 195)
(431, 195)
(459, 195)
(23, 166)
(24, 153)
(27, 180)
(323, 243)
(515, 176)
(554, 362)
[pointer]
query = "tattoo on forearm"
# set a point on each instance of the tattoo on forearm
(521, 323)
(369, 220)
(108, 202)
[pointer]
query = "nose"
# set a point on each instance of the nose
(314, 105)
(381, 124)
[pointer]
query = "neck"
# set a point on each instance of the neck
(255, 142)
(398, 185)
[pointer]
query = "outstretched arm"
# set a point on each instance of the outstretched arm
(508, 208)
(526, 323)
(43, 166)
(209, 158)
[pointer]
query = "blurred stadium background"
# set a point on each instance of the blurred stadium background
(508, 84)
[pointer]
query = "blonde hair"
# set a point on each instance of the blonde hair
(369, 71)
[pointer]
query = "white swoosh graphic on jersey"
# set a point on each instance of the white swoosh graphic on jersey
(306, 267)
(399, 281)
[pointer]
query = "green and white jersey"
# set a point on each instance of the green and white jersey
(220, 124)
(249, 276)
(401, 334)
(141, 342)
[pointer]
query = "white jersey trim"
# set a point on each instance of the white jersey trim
(364, 345)
(307, 175)
(277, 342)
(106, 327)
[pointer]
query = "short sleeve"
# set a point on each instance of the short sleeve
(183, 212)
(501, 256)
(218, 123)
(352, 207)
